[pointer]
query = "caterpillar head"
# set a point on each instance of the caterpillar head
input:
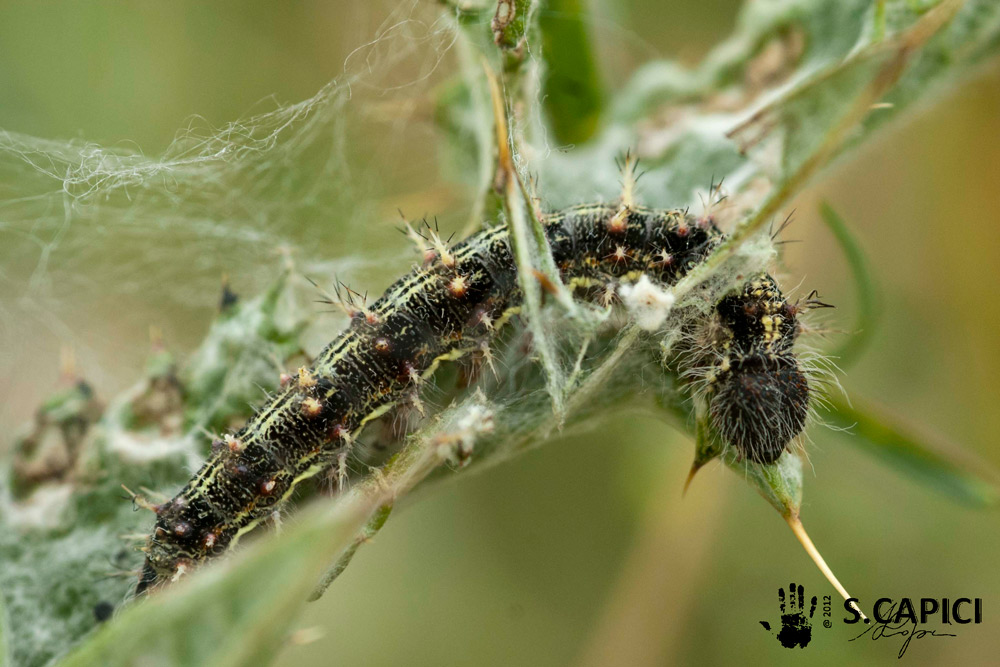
(759, 404)
(159, 568)
(172, 547)
(150, 577)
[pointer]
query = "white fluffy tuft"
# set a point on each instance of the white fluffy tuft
(648, 303)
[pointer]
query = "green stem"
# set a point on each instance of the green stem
(572, 92)
(521, 245)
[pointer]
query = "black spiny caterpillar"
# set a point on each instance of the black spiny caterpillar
(759, 396)
(757, 391)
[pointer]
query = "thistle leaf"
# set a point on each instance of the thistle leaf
(865, 288)
(943, 467)
(780, 483)
(572, 92)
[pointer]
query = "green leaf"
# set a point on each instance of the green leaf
(864, 283)
(54, 574)
(780, 483)
(938, 466)
(707, 447)
(240, 612)
(369, 531)
(235, 614)
(572, 92)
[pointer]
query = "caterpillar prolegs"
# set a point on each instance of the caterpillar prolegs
(758, 393)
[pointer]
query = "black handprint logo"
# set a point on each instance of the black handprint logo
(796, 628)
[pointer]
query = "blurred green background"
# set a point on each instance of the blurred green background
(582, 552)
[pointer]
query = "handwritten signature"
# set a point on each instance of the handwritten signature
(885, 629)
